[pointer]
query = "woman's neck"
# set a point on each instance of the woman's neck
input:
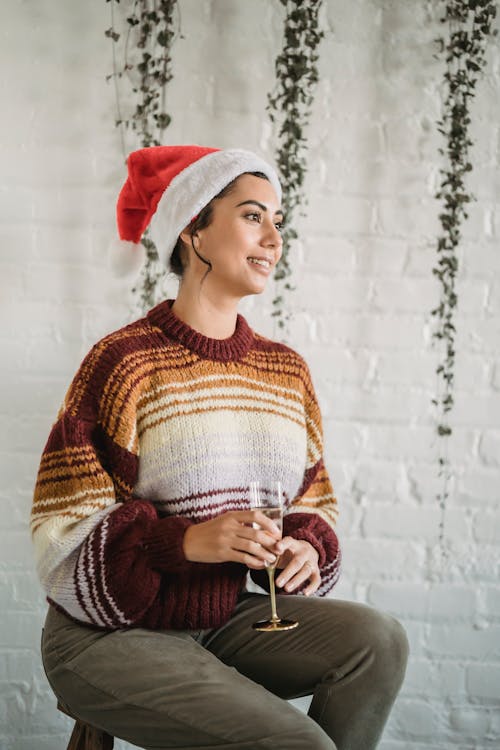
(215, 319)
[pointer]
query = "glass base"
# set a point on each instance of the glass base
(269, 626)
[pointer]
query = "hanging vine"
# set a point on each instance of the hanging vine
(469, 26)
(297, 75)
(147, 68)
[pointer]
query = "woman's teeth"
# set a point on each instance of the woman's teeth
(264, 263)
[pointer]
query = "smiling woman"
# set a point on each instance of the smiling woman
(141, 520)
(205, 217)
(238, 239)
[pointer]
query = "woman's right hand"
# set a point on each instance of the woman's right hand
(230, 537)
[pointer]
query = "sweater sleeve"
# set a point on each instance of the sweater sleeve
(312, 514)
(99, 551)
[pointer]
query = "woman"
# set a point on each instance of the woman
(141, 522)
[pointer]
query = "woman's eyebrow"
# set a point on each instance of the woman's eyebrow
(260, 205)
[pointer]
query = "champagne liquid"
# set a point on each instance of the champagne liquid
(275, 515)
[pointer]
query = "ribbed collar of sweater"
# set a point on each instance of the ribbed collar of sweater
(233, 348)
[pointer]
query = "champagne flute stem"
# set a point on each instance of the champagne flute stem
(270, 572)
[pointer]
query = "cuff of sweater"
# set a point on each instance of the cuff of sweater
(313, 529)
(163, 544)
(308, 536)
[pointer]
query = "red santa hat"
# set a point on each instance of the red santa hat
(166, 187)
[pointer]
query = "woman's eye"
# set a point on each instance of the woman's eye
(257, 216)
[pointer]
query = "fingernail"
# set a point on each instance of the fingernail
(280, 581)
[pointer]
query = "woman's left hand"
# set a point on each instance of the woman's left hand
(299, 563)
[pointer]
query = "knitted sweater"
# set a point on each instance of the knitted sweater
(162, 428)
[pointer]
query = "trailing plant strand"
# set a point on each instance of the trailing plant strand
(297, 75)
(147, 67)
(469, 25)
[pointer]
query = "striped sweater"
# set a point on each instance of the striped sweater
(161, 428)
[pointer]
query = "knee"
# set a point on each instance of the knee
(306, 734)
(388, 643)
(401, 644)
(316, 738)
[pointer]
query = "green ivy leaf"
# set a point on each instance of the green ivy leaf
(463, 51)
(112, 34)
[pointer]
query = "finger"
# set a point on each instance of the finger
(303, 575)
(258, 517)
(267, 524)
(289, 571)
(245, 558)
(257, 536)
(254, 549)
(287, 554)
(314, 584)
(287, 543)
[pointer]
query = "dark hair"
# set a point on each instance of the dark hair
(202, 221)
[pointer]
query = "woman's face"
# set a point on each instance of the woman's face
(243, 241)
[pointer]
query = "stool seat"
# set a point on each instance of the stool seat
(85, 736)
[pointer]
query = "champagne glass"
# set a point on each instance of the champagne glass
(270, 502)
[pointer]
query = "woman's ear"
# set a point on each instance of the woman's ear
(185, 235)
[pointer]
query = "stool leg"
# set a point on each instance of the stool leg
(98, 740)
(84, 737)
(77, 741)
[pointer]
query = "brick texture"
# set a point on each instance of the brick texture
(361, 316)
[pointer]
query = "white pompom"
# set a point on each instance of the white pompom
(125, 259)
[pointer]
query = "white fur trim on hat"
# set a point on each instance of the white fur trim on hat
(195, 186)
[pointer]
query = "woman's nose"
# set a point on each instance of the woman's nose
(273, 236)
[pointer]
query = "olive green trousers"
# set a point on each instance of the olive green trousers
(225, 688)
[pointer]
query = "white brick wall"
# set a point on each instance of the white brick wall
(362, 316)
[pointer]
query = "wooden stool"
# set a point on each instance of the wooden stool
(84, 736)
